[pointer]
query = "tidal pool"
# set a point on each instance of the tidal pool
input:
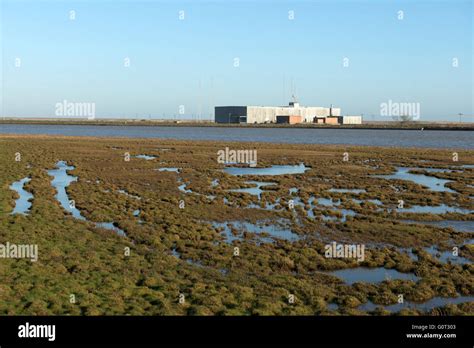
(110, 226)
(433, 209)
(374, 201)
(255, 191)
(145, 157)
(273, 170)
(175, 253)
(357, 191)
(169, 169)
(447, 256)
(345, 213)
(371, 275)
(61, 180)
(278, 231)
(441, 256)
(267, 206)
(433, 183)
(334, 204)
(409, 252)
(423, 306)
(183, 188)
(22, 204)
(327, 202)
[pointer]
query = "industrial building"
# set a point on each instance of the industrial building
(292, 114)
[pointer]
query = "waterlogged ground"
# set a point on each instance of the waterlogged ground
(131, 226)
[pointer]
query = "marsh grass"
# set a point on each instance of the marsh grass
(77, 258)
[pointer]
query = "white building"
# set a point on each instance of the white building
(268, 114)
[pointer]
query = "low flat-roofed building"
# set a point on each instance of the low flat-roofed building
(268, 114)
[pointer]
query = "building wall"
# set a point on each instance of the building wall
(336, 112)
(262, 114)
(267, 114)
(295, 119)
(332, 120)
(288, 119)
(351, 119)
(229, 114)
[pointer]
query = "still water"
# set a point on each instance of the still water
(23, 203)
(373, 137)
(61, 180)
(372, 275)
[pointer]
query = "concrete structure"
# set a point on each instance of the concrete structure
(268, 114)
(332, 120)
(288, 119)
(293, 113)
(350, 120)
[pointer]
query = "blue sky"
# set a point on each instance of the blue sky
(190, 62)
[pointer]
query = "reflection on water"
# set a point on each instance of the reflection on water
(434, 184)
(371, 137)
(22, 204)
(273, 170)
(371, 275)
(277, 230)
(255, 191)
(61, 180)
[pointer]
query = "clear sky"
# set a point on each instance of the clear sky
(236, 53)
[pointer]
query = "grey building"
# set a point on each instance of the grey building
(230, 114)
